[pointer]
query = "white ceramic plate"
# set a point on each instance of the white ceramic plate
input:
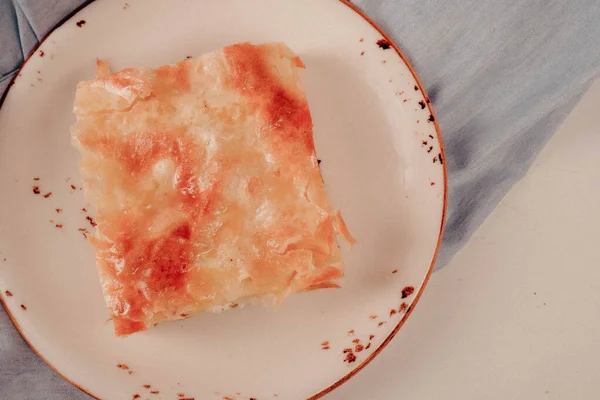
(382, 164)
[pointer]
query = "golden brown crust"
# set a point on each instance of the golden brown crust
(206, 185)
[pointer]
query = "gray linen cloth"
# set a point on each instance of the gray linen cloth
(502, 75)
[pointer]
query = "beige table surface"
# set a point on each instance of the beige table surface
(516, 314)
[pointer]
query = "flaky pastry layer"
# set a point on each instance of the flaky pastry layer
(206, 185)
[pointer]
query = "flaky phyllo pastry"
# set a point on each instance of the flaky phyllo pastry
(206, 185)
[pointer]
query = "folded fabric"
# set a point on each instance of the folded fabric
(501, 75)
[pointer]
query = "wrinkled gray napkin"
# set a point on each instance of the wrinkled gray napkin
(502, 75)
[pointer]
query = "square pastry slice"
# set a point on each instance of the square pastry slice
(206, 185)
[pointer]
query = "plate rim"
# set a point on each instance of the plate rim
(409, 311)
